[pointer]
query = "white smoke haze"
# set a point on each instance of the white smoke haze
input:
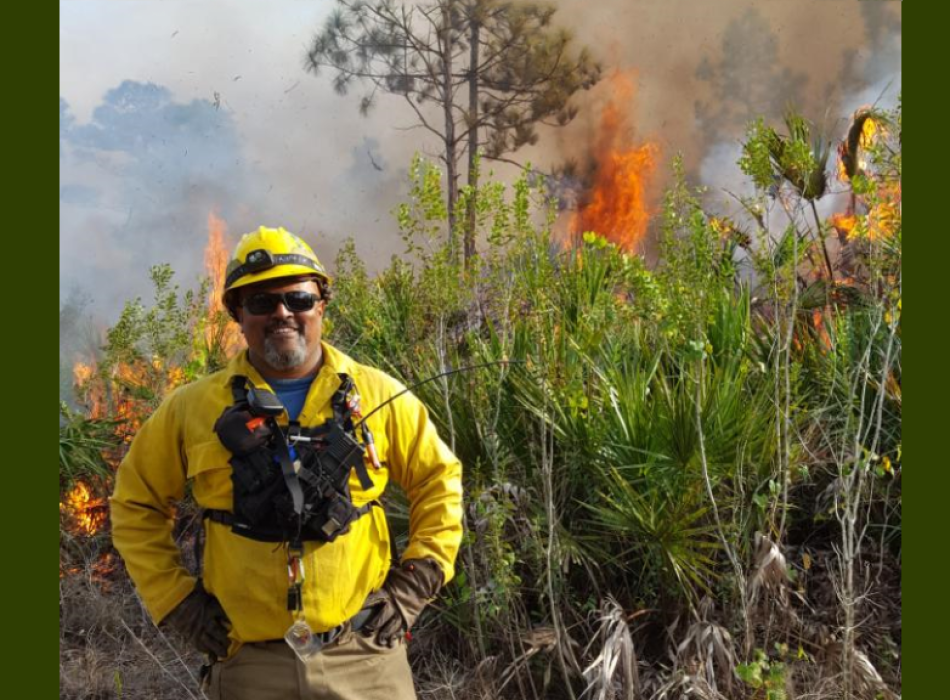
(170, 110)
(869, 74)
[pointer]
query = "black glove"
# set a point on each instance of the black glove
(401, 600)
(201, 620)
(241, 431)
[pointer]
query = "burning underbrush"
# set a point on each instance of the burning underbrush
(85, 514)
(108, 645)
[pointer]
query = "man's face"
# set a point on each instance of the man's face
(283, 343)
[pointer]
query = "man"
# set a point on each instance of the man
(299, 598)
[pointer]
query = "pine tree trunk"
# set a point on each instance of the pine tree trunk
(474, 30)
(451, 165)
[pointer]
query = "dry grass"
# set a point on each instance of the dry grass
(108, 646)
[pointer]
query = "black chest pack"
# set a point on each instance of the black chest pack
(292, 484)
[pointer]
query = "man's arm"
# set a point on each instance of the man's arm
(431, 475)
(432, 478)
(148, 482)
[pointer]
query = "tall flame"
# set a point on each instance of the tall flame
(617, 203)
(124, 393)
(216, 256)
(92, 392)
(219, 331)
(105, 398)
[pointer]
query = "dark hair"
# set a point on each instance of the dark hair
(232, 297)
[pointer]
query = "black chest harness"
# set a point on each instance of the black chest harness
(292, 484)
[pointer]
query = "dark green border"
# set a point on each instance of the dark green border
(925, 35)
(31, 47)
(31, 225)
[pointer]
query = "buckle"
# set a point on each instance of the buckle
(322, 639)
(332, 634)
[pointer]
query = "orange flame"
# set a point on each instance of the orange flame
(842, 170)
(855, 147)
(101, 570)
(219, 331)
(844, 224)
(82, 373)
(868, 131)
(91, 391)
(87, 512)
(116, 395)
(617, 205)
(885, 216)
(216, 256)
(818, 321)
(880, 222)
(105, 566)
(871, 216)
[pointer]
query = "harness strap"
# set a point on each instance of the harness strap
(239, 388)
(287, 469)
(239, 392)
(343, 414)
(341, 409)
(343, 450)
(363, 475)
(226, 517)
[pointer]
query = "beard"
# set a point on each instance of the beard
(284, 355)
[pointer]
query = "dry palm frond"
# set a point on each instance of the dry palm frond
(616, 652)
(770, 571)
(706, 652)
(866, 679)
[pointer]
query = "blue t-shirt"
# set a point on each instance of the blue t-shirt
(292, 393)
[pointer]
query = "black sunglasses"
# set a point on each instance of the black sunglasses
(266, 302)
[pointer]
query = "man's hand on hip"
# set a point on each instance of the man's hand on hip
(201, 620)
(406, 592)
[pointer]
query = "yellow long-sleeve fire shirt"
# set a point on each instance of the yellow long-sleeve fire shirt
(178, 444)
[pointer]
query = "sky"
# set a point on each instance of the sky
(171, 110)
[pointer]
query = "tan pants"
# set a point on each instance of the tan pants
(354, 668)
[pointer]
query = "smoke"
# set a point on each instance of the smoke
(171, 110)
(140, 177)
(705, 69)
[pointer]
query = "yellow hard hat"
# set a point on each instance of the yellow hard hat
(269, 253)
